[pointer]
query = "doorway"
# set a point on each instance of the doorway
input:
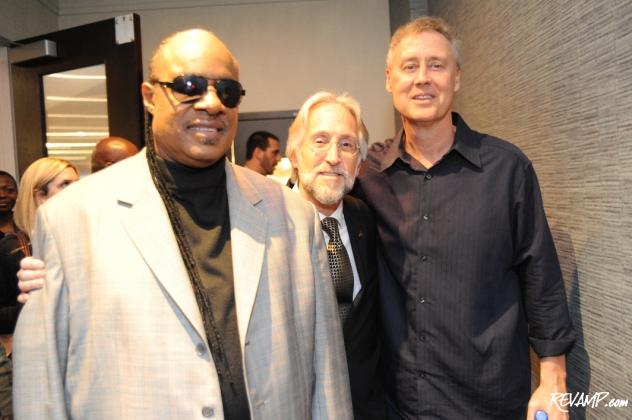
(86, 87)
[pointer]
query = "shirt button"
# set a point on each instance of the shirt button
(200, 349)
(424, 258)
(428, 177)
(208, 411)
(426, 217)
(422, 300)
(422, 338)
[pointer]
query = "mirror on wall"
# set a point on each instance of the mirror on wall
(75, 104)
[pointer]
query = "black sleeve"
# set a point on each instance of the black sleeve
(550, 329)
(10, 257)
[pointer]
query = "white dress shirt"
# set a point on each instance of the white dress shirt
(344, 237)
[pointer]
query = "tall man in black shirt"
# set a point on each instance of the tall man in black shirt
(469, 276)
(179, 285)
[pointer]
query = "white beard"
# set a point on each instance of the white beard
(321, 190)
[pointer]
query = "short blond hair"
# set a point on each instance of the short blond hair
(419, 25)
(36, 178)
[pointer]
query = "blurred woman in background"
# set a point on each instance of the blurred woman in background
(42, 179)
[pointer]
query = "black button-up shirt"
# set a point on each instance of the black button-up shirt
(469, 277)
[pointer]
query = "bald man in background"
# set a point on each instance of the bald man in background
(111, 150)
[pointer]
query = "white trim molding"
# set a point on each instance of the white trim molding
(82, 7)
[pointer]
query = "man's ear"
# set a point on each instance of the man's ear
(388, 81)
(457, 81)
(147, 90)
(293, 160)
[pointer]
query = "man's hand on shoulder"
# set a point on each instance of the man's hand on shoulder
(30, 277)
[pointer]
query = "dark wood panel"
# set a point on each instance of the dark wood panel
(78, 47)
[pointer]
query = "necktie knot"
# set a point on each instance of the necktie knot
(330, 225)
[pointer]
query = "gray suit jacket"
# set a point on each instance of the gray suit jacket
(116, 331)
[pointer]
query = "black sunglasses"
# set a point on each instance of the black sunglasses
(190, 88)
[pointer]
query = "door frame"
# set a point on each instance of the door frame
(81, 46)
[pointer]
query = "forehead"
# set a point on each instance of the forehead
(68, 172)
(332, 117)
(198, 54)
(425, 44)
(5, 180)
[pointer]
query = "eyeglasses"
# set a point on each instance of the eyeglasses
(322, 144)
(190, 88)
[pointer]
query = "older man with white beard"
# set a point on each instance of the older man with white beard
(326, 144)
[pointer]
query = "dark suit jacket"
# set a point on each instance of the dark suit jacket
(362, 329)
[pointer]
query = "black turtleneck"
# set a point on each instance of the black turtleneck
(202, 202)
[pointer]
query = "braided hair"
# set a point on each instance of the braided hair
(214, 338)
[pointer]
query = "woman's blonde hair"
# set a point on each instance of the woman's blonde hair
(36, 178)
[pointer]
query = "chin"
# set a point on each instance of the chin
(329, 196)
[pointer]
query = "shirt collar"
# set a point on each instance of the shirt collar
(337, 214)
(466, 142)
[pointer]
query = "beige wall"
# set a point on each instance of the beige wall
(289, 50)
(21, 19)
(8, 160)
(555, 78)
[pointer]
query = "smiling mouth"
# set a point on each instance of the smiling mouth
(204, 129)
(334, 175)
(206, 133)
(423, 97)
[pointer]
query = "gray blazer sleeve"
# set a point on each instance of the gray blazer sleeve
(41, 338)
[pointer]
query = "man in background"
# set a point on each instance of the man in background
(111, 150)
(326, 144)
(262, 152)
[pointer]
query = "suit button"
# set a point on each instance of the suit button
(208, 411)
(200, 349)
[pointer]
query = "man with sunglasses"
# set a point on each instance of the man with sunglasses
(178, 285)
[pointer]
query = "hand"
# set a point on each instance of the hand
(30, 277)
(552, 381)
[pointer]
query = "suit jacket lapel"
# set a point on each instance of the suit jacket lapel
(248, 234)
(149, 228)
(357, 238)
